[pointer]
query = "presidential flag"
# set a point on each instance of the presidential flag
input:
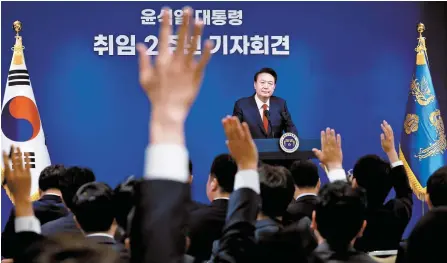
(423, 141)
(21, 124)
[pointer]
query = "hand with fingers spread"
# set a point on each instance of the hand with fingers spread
(330, 155)
(19, 181)
(387, 141)
(172, 84)
(240, 143)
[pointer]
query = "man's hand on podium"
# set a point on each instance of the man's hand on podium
(330, 155)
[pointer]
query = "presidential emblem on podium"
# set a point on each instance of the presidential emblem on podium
(289, 142)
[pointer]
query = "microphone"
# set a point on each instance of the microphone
(267, 115)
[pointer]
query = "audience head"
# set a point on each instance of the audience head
(373, 174)
(437, 188)
(190, 171)
(93, 207)
(426, 242)
(265, 83)
(276, 189)
(340, 214)
(73, 179)
(50, 177)
(305, 175)
(221, 178)
(73, 248)
(124, 202)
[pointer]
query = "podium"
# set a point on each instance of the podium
(271, 153)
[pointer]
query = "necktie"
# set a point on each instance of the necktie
(264, 118)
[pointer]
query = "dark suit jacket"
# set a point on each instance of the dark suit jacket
(302, 207)
(205, 226)
(275, 243)
(387, 223)
(112, 243)
(323, 253)
(157, 236)
(247, 111)
(46, 209)
(64, 224)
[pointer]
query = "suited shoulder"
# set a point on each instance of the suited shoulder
(244, 100)
(277, 99)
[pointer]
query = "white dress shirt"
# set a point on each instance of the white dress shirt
(259, 103)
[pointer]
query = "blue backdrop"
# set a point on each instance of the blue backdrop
(349, 67)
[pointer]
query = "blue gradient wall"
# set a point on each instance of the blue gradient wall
(349, 68)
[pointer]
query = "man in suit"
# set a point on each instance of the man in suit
(194, 205)
(339, 218)
(48, 208)
(94, 213)
(206, 223)
(436, 197)
(386, 221)
(266, 115)
(274, 242)
(73, 179)
(307, 185)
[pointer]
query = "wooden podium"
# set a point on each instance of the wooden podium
(271, 153)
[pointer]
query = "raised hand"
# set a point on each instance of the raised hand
(330, 155)
(19, 178)
(240, 143)
(387, 141)
(172, 84)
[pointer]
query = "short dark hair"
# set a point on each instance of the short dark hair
(67, 247)
(276, 189)
(373, 174)
(50, 177)
(224, 169)
(124, 202)
(74, 177)
(426, 242)
(437, 187)
(93, 207)
(268, 71)
(340, 213)
(190, 167)
(304, 173)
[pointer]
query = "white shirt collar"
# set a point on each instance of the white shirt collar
(226, 198)
(100, 235)
(305, 194)
(259, 103)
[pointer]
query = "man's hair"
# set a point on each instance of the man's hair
(50, 177)
(67, 247)
(93, 207)
(224, 169)
(437, 187)
(73, 179)
(373, 174)
(305, 173)
(340, 213)
(426, 242)
(190, 167)
(124, 202)
(268, 71)
(276, 189)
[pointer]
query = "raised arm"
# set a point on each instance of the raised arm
(171, 86)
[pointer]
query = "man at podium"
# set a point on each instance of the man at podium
(267, 116)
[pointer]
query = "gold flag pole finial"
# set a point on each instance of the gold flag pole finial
(421, 49)
(17, 26)
(18, 46)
